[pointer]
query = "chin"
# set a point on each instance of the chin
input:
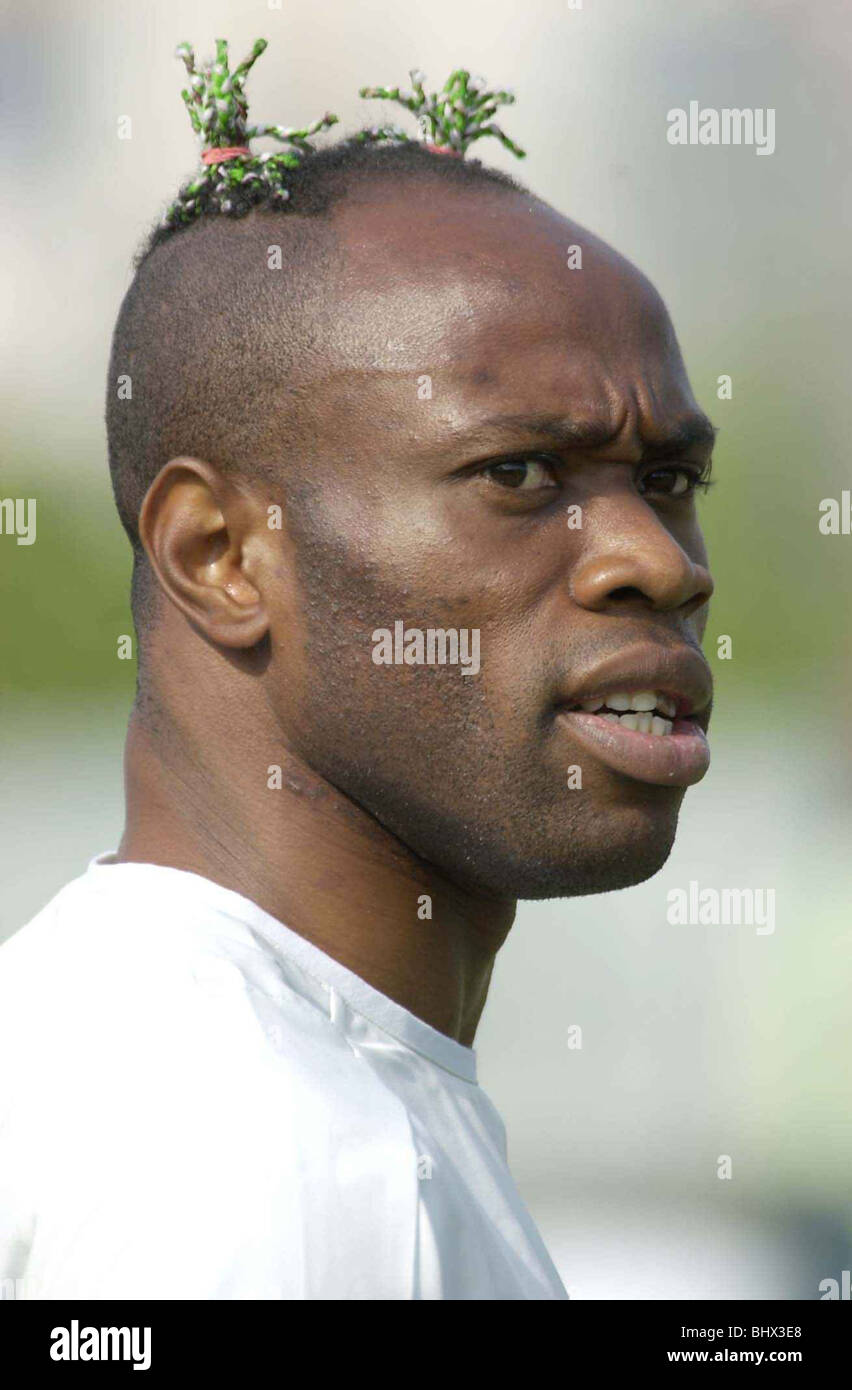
(622, 869)
(605, 850)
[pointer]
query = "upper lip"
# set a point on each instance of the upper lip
(680, 672)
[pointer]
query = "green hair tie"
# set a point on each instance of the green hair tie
(233, 178)
(450, 120)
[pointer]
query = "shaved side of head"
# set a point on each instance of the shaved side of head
(224, 324)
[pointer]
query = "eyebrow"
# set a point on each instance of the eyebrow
(692, 430)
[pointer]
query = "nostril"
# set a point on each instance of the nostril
(627, 591)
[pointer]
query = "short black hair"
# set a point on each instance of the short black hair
(201, 347)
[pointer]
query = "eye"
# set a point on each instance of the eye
(522, 474)
(673, 482)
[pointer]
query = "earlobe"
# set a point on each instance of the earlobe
(195, 526)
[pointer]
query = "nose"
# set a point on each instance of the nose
(636, 558)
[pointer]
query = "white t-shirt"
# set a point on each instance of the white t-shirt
(196, 1102)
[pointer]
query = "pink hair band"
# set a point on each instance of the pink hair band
(226, 152)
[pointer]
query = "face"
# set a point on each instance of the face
(509, 446)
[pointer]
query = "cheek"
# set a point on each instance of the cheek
(430, 562)
(691, 539)
(694, 545)
(696, 548)
(367, 693)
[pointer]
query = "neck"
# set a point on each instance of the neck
(313, 859)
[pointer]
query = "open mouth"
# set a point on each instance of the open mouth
(650, 735)
(642, 711)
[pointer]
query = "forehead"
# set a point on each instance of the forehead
(481, 290)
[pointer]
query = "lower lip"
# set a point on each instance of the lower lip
(667, 760)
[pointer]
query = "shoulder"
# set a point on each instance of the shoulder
(103, 1001)
(176, 1097)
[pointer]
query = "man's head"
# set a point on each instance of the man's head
(465, 426)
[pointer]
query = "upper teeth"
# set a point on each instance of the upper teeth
(638, 705)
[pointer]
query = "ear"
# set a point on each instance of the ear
(198, 531)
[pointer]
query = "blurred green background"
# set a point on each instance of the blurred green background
(697, 1041)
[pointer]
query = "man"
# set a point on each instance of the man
(425, 428)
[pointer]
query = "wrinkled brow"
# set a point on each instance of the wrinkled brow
(690, 431)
